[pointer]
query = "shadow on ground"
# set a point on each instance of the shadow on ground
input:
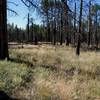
(5, 96)
(15, 60)
(20, 61)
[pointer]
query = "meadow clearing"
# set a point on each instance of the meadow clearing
(46, 72)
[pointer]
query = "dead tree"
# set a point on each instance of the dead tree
(90, 24)
(3, 30)
(80, 29)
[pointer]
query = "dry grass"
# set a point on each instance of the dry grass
(58, 74)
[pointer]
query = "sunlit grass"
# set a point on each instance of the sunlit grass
(56, 73)
(12, 75)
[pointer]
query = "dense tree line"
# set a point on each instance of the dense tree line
(75, 22)
(16, 34)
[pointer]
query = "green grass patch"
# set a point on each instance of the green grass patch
(12, 75)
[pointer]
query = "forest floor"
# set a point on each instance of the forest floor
(45, 72)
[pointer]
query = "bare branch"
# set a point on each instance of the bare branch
(12, 11)
(13, 3)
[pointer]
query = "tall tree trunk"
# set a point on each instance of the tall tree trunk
(48, 28)
(32, 33)
(61, 31)
(90, 23)
(54, 33)
(96, 31)
(75, 23)
(28, 27)
(80, 29)
(3, 30)
(66, 10)
(36, 40)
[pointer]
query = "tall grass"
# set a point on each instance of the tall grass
(52, 73)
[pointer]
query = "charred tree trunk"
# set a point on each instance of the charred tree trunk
(90, 22)
(96, 31)
(48, 29)
(66, 10)
(75, 24)
(61, 31)
(54, 33)
(3, 30)
(36, 40)
(67, 39)
(80, 29)
(28, 27)
(32, 33)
